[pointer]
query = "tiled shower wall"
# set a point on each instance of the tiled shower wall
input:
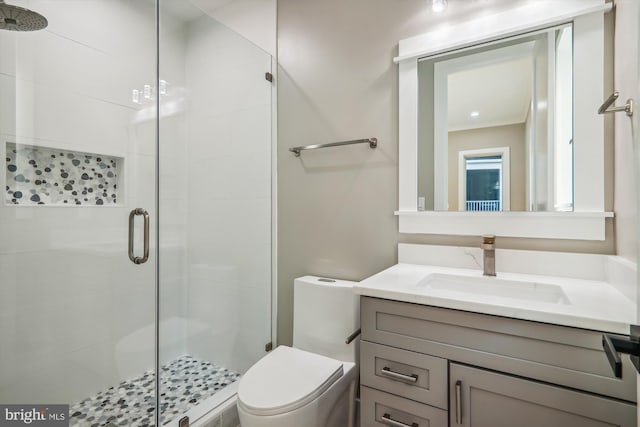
(76, 316)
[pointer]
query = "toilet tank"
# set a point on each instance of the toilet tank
(325, 313)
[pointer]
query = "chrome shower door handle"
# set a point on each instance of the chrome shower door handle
(145, 255)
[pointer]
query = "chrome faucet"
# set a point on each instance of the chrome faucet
(488, 247)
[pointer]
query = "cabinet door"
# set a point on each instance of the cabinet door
(481, 398)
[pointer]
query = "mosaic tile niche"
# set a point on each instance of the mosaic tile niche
(49, 176)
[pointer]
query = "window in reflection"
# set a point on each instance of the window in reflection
(484, 183)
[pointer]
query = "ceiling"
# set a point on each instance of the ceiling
(457, 10)
(462, 10)
(499, 93)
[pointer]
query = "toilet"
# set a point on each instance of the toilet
(313, 383)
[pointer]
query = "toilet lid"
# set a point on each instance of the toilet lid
(286, 379)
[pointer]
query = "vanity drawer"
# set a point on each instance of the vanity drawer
(382, 409)
(405, 373)
(555, 354)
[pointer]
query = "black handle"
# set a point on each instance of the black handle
(612, 355)
(612, 345)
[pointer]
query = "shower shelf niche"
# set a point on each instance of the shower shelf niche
(37, 175)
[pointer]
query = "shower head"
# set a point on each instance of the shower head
(14, 18)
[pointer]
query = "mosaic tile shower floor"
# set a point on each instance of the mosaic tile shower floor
(184, 383)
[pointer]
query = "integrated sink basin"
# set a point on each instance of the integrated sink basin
(580, 299)
(493, 287)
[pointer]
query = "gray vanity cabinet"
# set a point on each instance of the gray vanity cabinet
(481, 398)
(423, 366)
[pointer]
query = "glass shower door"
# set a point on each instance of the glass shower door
(77, 130)
(215, 207)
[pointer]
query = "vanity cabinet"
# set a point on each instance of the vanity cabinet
(428, 366)
(489, 399)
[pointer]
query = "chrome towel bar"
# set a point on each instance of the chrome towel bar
(604, 108)
(373, 143)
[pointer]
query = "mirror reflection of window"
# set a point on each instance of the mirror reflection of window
(484, 183)
(484, 180)
(515, 93)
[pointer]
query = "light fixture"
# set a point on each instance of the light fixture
(475, 114)
(148, 93)
(438, 5)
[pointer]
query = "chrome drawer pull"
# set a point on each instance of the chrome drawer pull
(386, 372)
(386, 419)
(458, 402)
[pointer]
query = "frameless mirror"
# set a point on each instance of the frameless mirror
(495, 125)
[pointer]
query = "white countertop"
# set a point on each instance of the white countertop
(592, 304)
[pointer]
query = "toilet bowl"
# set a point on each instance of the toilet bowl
(294, 388)
(313, 383)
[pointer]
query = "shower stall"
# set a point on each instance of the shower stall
(116, 116)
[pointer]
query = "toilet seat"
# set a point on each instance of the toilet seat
(286, 379)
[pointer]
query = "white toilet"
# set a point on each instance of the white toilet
(313, 383)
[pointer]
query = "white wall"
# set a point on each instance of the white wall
(562, 179)
(627, 132)
(253, 19)
(229, 196)
(626, 79)
(541, 124)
